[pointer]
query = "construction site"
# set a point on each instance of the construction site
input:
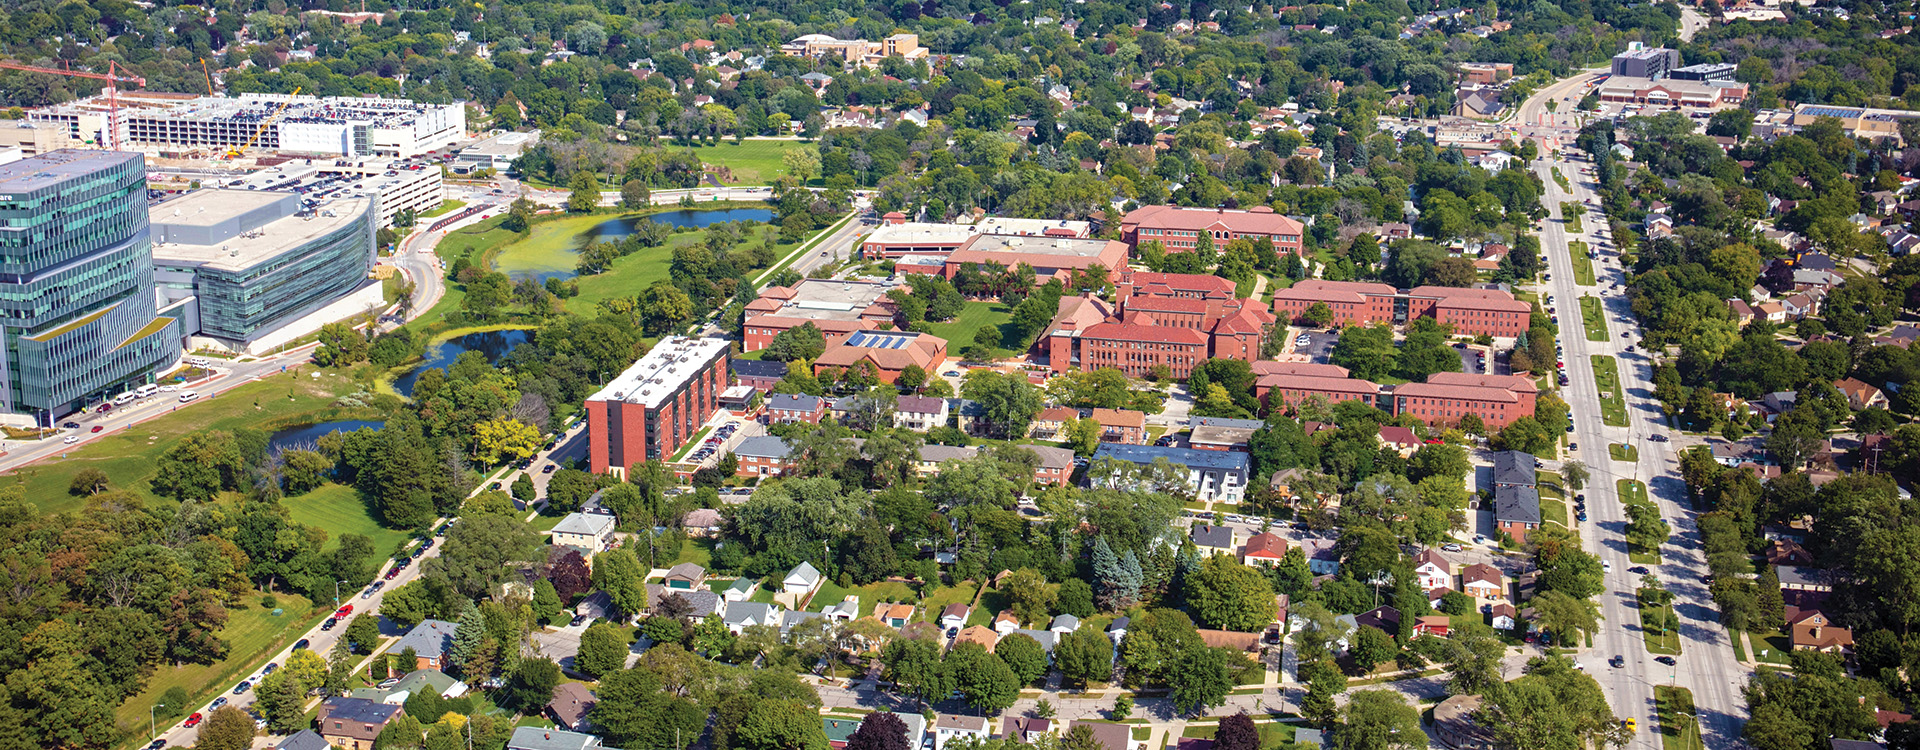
(186, 126)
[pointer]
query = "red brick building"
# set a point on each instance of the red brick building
(1471, 312)
(655, 406)
(1133, 349)
(1175, 286)
(888, 351)
(1178, 228)
(1283, 384)
(1050, 257)
(838, 308)
(1176, 331)
(1446, 397)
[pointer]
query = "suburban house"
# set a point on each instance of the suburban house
(1514, 469)
(1213, 540)
(803, 579)
(760, 375)
(1005, 622)
(703, 522)
(588, 532)
(1064, 623)
(954, 615)
(1438, 625)
(790, 407)
(417, 681)
(1124, 426)
(740, 590)
(1382, 618)
(946, 727)
(1056, 465)
(895, 615)
(1432, 569)
(933, 455)
(838, 731)
(1025, 729)
(1323, 558)
(1812, 631)
(919, 413)
(1804, 586)
(1516, 510)
(305, 739)
(570, 705)
(763, 456)
(354, 723)
(1400, 439)
(429, 640)
(1050, 421)
(1860, 395)
(1107, 735)
(1483, 581)
(1504, 616)
(739, 615)
(535, 738)
(1264, 548)
(686, 576)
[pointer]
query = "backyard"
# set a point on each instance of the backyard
(1553, 498)
(1613, 403)
(1272, 733)
(959, 331)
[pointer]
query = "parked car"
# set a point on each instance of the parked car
(345, 610)
(1667, 660)
(1451, 547)
(218, 702)
(328, 625)
(244, 686)
(1618, 661)
(96, 428)
(301, 645)
(548, 469)
(192, 721)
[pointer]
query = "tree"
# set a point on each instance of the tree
(280, 701)
(1237, 732)
(603, 650)
(1201, 677)
(880, 731)
(1228, 595)
(586, 192)
(801, 342)
(501, 439)
(1075, 597)
(780, 725)
(982, 678)
(1379, 720)
(1318, 315)
(1030, 595)
(1085, 655)
(1024, 656)
(363, 631)
(1567, 618)
(530, 688)
(1371, 647)
(1082, 435)
(340, 345)
(1008, 400)
(802, 163)
(619, 573)
(227, 728)
(1575, 473)
(913, 664)
(88, 481)
(634, 195)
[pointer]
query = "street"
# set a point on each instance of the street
(1712, 672)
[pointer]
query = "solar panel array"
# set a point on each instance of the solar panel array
(1841, 112)
(872, 340)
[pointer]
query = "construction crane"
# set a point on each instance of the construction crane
(204, 72)
(112, 76)
(235, 153)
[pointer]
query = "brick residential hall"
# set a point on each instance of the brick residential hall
(888, 351)
(1442, 400)
(898, 237)
(1471, 312)
(1176, 320)
(1178, 229)
(837, 308)
(1050, 257)
(654, 407)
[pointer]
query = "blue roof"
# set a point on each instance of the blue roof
(754, 368)
(1192, 459)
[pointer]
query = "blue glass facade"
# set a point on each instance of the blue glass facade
(77, 304)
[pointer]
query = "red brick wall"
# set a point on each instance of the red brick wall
(1180, 358)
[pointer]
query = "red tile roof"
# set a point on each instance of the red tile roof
(1258, 220)
(1156, 334)
(1266, 545)
(1270, 367)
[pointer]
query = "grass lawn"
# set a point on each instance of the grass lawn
(1739, 643)
(959, 593)
(696, 551)
(753, 162)
(1771, 647)
(691, 444)
(128, 456)
(1659, 640)
(1593, 319)
(1553, 498)
(1582, 266)
(1273, 734)
(870, 595)
(252, 634)
(1631, 491)
(480, 238)
(339, 509)
(1679, 721)
(1570, 212)
(629, 275)
(959, 331)
(446, 207)
(1623, 452)
(1553, 511)
(1561, 180)
(1613, 403)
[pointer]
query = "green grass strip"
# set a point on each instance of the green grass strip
(1582, 265)
(1624, 452)
(1606, 378)
(1679, 721)
(1593, 319)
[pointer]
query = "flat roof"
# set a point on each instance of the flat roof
(209, 206)
(919, 233)
(261, 244)
(824, 299)
(658, 374)
(55, 167)
(1057, 246)
(504, 144)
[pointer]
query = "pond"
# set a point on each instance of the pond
(306, 435)
(540, 257)
(440, 356)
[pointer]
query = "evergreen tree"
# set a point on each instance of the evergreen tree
(467, 637)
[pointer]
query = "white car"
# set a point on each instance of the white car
(70, 439)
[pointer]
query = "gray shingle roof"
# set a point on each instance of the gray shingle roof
(430, 639)
(794, 402)
(535, 738)
(1516, 504)
(763, 446)
(305, 739)
(589, 524)
(1513, 467)
(1206, 535)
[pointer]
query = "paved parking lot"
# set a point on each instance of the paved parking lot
(1319, 347)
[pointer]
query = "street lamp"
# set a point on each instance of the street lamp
(336, 595)
(152, 727)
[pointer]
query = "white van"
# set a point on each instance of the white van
(188, 396)
(146, 390)
(123, 399)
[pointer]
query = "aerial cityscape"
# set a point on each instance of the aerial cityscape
(918, 376)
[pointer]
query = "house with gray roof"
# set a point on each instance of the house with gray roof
(1213, 539)
(590, 533)
(1046, 638)
(1514, 469)
(536, 738)
(686, 576)
(742, 614)
(429, 640)
(700, 602)
(920, 413)
(802, 579)
(1064, 623)
(305, 739)
(1516, 510)
(763, 456)
(791, 618)
(1222, 434)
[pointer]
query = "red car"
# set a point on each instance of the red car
(344, 611)
(192, 721)
(97, 428)
(392, 573)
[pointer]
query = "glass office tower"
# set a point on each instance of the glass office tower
(77, 304)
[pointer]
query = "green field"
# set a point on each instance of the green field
(1582, 266)
(1570, 212)
(1593, 319)
(1771, 647)
(1659, 640)
(754, 162)
(1624, 452)
(1679, 721)
(339, 509)
(446, 207)
(870, 595)
(1272, 734)
(252, 634)
(959, 331)
(128, 455)
(1553, 498)
(1613, 403)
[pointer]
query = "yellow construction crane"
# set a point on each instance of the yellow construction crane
(236, 153)
(203, 71)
